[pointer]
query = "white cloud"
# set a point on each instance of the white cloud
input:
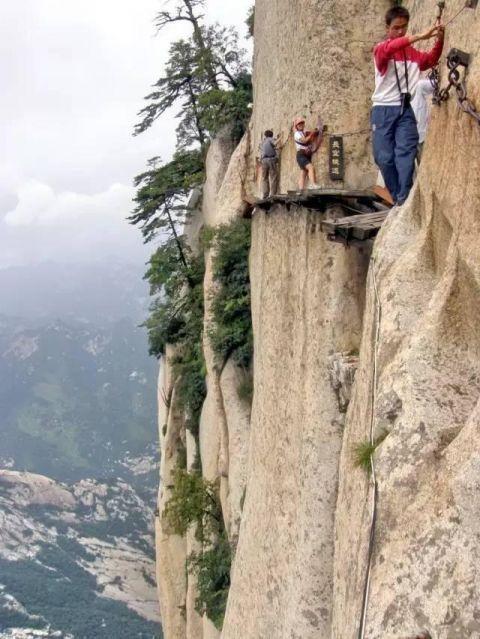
(67, 226)
(39, 205)
(73, 79)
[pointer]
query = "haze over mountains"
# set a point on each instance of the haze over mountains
(78, 461)
(98, 292)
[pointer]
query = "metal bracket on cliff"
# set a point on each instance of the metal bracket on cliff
(455, 60)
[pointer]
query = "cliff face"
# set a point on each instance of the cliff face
(314, 59)
(304, 288)
(425, 562)
(225, 418)
(408, 316)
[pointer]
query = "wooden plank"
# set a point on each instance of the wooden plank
(343, 240)
(383, 193)
(373, 219)
(362, 218)
(311, 193)
(359, 227)
(380, 206)
(270, 201)
(363, 233)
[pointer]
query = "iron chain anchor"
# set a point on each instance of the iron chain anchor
(455, 59)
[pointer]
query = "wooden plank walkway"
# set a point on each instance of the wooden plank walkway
(309, 194)
(342, 226)
(354, 227)
(316, 198)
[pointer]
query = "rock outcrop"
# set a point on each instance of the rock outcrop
(382, 337)
(38, 514)
(427, 272)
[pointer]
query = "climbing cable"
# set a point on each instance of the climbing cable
(466, 6)
(350, 133)
(373, 521)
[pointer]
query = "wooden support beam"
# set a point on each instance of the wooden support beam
(358, 227)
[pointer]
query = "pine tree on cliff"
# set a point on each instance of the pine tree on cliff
(206, 74)
(206, 77)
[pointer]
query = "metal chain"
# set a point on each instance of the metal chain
(456, 81)
(434, 77)
(464, 103)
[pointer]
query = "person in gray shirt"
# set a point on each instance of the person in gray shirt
(269, 164)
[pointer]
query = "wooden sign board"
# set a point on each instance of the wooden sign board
(336, 159)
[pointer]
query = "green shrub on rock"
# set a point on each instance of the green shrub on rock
(231, 332)
(364, 451)
(176, 317)
(193, 502)
(212, 569)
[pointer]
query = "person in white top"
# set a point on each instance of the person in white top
(306, 143)
(421, 106)
(398, 67)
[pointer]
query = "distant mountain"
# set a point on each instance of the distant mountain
(75, 398)
(78, 454)
(96, 292)
(76, 561)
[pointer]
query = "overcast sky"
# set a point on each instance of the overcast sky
(73, 78)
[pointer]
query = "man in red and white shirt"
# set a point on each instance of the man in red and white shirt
(398, 66)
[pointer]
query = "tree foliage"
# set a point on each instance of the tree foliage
(212, 569)
(250, 21)
(176, 314)
(231, 331)
(176, 317)
(211, 59)
(231, 109)
(193, 502)
(206, 78)
(162, 192)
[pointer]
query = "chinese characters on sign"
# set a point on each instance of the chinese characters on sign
(336, 158)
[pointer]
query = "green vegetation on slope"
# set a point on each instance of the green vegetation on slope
(194, 502)
(231, 333)
(212, 568)
(62, 592)
(177, 318)
(207, 76)
(75, 397)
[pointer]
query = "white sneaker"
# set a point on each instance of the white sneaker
(313, 187)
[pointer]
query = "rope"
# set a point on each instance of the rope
(456, 15)
(371, 541)
(350, 133)
(372, 43)
(361, 131)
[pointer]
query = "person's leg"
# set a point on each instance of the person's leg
(406, 143)
(302, 179)
(311, 174)
(384, 121)
(265, 173)
(273, 177)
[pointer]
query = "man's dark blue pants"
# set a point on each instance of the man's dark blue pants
(395, 140)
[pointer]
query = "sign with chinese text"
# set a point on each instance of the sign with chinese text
(336, 158)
